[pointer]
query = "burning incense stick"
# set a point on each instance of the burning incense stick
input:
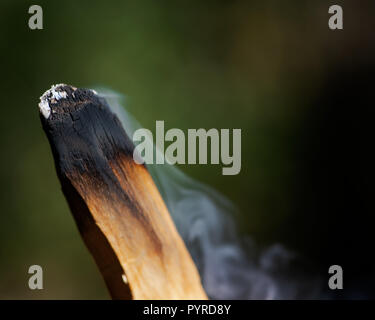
(115, 203)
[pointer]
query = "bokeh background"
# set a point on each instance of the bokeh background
(301, 93)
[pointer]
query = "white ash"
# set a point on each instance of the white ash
(44, 108)
(58, 95)
(51, 95)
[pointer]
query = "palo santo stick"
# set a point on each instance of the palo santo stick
(115, 203)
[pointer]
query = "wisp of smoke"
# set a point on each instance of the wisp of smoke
(230, 266)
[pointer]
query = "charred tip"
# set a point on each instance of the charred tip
(62, 99)
(81, 120)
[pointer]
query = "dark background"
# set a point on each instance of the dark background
(301, 93)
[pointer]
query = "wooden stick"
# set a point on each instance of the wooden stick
(115, 203)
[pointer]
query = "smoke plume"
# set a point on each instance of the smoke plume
(231, 266)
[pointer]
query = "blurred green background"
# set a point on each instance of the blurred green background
(255, 65)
